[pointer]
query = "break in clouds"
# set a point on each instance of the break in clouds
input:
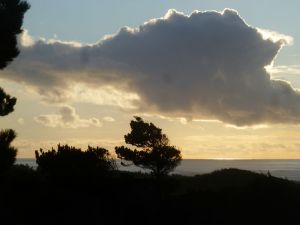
(207, 65)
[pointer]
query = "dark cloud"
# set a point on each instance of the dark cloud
(207, 65)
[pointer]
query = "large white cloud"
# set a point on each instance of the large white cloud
(207, 65)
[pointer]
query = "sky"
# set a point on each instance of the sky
(220, 78)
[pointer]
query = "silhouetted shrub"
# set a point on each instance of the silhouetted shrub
(68, 160)
(154, 154)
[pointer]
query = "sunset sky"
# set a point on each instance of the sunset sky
(220, 78)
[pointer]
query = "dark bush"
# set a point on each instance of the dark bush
(68, 160)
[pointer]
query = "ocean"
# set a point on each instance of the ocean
(289, 169)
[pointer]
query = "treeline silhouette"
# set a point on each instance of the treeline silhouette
(74, 186)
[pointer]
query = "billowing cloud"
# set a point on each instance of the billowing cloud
(66, 118)
(207, 65)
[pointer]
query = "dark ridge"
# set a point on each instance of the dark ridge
(228, 196)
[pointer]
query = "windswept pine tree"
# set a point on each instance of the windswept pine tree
(154, 151)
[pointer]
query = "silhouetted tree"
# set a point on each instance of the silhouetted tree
(11, 19)
(154, 151)
(7, 152)
(68, 160)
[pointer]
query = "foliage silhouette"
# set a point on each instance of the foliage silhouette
(11, 19)
(7, 152)
(154, 154)
(68, 160)
(7, 103)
